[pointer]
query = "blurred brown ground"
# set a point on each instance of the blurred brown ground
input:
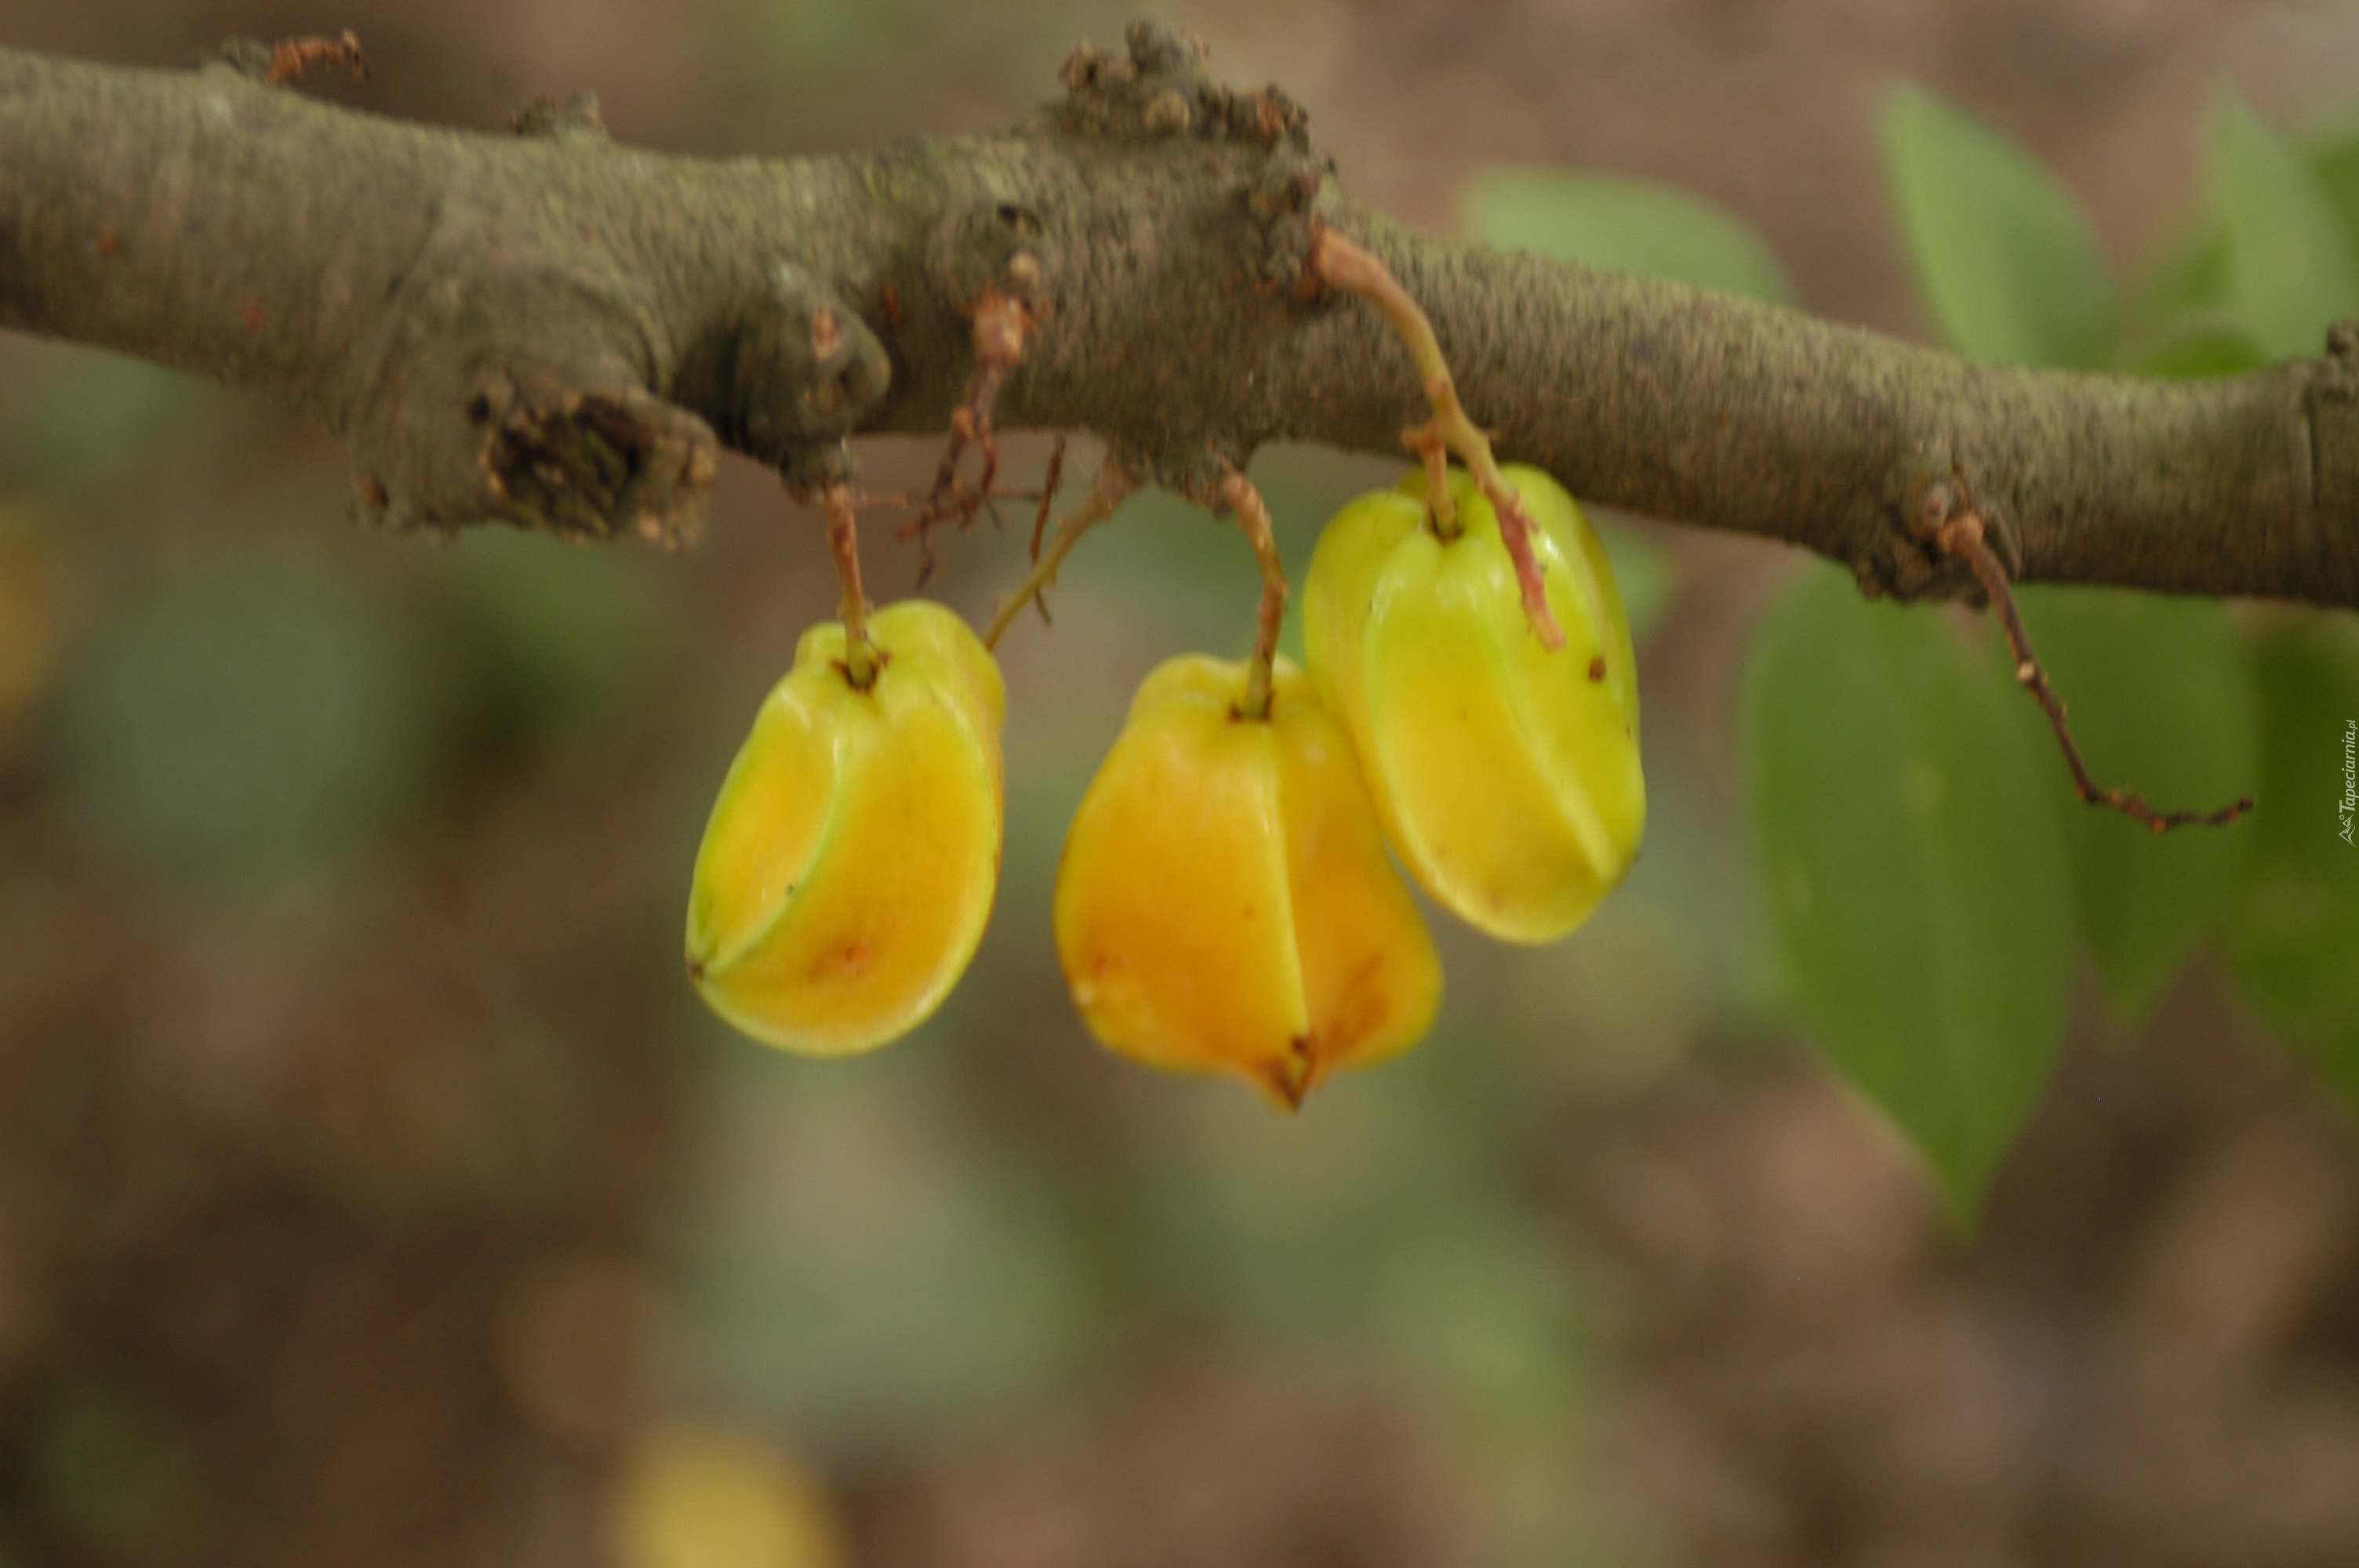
(373, 1209)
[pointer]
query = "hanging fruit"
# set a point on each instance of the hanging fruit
(848, 867)
(1505, 772)
(1225, 901)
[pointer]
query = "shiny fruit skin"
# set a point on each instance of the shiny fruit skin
(1506, 776)
(848, 867)
(1225, 901)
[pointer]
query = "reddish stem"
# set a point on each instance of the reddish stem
(1961, 536)
(860, 660)
(1340, 264)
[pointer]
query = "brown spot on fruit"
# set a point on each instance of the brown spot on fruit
(845, 961)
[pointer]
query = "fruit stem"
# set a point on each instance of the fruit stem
(860, 660)
(1342, 263)
(1237, 493)
(1440, 509)
(1112, 486)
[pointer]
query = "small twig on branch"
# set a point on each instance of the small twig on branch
(1237, 493)
(1001, 321)
(1112, 486)
(1048, 483)
(1960, 534)
(291, 58)
(1340, 264)
(860, 662)
(865, 499)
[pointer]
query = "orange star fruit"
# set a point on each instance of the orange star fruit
(1225, 901)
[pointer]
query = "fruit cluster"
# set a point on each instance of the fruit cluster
(1225, 899)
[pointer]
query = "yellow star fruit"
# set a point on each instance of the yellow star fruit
(848, 867)
(1506, 775)
(1225, 901)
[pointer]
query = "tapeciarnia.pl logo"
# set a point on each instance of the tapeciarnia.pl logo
(2350, 801)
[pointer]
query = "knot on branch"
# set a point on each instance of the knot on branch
(1281, 212)
(592, 463)
(1161, 90)
(2329, 497)
(2337, 377)
(524, 392)
(1911, 558)
(997, 246)
(542, 451)
(802, 369)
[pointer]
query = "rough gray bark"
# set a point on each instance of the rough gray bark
(556, 332)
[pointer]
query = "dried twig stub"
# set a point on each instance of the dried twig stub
(1960, 534)
(1048, 483)
(291, 58)
(1001, 321)
(1112, 486)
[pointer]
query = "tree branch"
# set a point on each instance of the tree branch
(556, 332)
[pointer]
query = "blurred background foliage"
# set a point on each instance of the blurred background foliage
(373, 1190)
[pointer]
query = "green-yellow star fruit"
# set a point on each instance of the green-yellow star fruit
(848, 867)
(1225, 901)
(1506, 775)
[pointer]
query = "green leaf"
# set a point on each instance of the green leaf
(1915, 869)
(2291, 270)
(1623, 225)
(2293, 931)
(2190, 279)
(2004, 252)
(2160, 693)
